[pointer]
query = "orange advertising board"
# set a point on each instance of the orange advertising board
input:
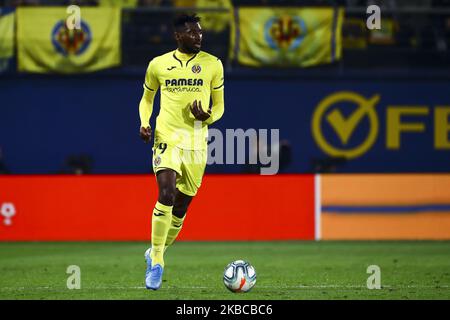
(118, 207)
(385, 207)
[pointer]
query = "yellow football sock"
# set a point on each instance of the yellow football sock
(175, 228)
(162, 215)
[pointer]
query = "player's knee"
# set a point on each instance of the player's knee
(179, 211)
(167, 195)
(181, 205)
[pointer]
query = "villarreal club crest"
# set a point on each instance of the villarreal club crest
(71, 41)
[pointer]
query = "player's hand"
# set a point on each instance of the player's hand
(197, 111)
(146, 134)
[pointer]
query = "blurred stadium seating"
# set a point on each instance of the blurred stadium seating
(415, 35)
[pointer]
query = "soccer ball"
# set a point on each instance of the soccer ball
(239, 276)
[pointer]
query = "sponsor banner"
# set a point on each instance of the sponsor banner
(348, 126)
(385, 207)
(327, 126)
(227, 207)
(48, 41)
(300, 37)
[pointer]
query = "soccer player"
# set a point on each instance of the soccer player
(188, 79)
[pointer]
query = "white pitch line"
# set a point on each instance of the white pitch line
(264, 287)
(354, 287)
(93, 288)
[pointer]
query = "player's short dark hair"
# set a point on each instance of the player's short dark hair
(181, 19)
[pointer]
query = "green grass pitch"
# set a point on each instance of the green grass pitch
(285, 270)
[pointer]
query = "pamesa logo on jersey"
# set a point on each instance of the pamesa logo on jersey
(184, 82)
(184, 85)
(71, 42)
(285, 32)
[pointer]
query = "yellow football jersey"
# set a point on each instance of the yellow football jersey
(183, 78)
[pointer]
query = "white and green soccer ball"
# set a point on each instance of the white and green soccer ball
(239, 276)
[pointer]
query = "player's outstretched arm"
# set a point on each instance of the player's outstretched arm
(145, 112)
